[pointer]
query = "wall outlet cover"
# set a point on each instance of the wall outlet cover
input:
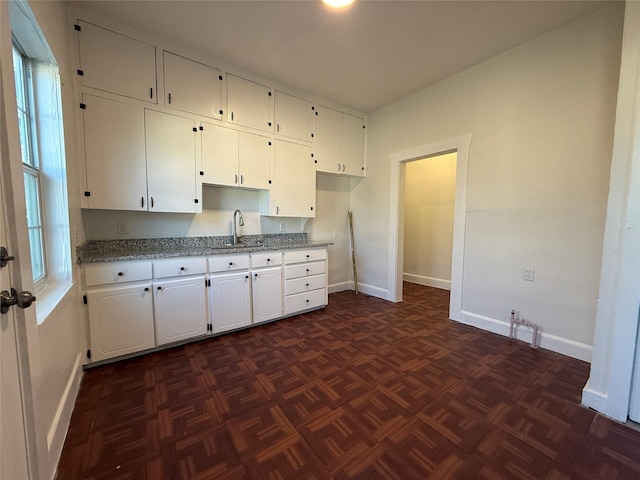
(528, 274)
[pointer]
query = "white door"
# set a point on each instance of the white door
(254, 160)
(13, 449)
(171, 163)
(326, 143)
(180, 309)
(293, 189)
(353, 145)
(267, 294)
(219, 155)
(230, 301)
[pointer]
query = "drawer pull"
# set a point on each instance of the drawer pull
(307, 300)
(307, 284)
(246, 276)
(146, 289)
(231, 264)
(308, 270)
(268, 259)
(255, 275)
(182, 269)
(120, 274)
(158, 288)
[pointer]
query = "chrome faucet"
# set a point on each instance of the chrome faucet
(236, 240)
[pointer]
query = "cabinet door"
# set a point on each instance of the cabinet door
(294, 117)
(327, 140)
(294, 183)
(180, 309)
(267, 294)
(171, 163)
(191, 86)
(114, 155)
(248, 103)
(116, 63)
(255, 155)
(353, 145)
(230, 301)
(120, 320)
(219, 155)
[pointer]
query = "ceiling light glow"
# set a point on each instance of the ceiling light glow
(337, 4)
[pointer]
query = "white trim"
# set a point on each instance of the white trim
(374, 291)
(562, 345)
(60, 424)
(427, 281)
(460, 145)
(341, 286)
(594, 399)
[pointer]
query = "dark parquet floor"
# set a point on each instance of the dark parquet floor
(364, 389)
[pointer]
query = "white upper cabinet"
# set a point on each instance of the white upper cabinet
(353, 144)
(255, 154)
(327, 140)
(171, 163)
(219, 155)
(114, 152)
(116, 63)
(192, 87)
(237, 159)
(249, 104)
(293, 188)
(338, 145)
(294, 117)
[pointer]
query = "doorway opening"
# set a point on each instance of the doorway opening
(429, 201)
(459, 146)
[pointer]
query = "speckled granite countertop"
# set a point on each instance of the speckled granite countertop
(95, 251)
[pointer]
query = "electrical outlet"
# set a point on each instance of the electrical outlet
(122, 228)
(335, 234)
(527, 274)
(283, 227)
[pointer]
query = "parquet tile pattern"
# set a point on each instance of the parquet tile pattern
(364, 389)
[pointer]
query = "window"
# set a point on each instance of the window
(26, 123)
(41, 137)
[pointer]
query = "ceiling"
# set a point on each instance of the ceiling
(365, 57)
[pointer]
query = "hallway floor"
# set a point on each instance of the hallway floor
(363, 389)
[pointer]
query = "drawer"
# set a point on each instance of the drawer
(304, 301)
(228, 263)
(179, 267)
(116, 272)
(304, 284)
(267, 259)
(297, 256)
(304, 270)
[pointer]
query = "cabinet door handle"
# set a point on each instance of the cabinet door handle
(151, 92)
(343, 167)
(277, 210)
(146, 289)
(246, 276)
(142, 202)
(152, 202)
(338, 167)
(169, 97)
(158, 288)
(277, 127)
(241, 179)
(232, 116)
(236, 180)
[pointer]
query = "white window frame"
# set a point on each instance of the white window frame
(31, 166)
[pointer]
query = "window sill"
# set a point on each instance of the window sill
(49, 298)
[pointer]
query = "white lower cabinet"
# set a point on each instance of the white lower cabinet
(305, 280)
(230, 301)
(180, 309)
(267, 294)
(138, 305)
(120, 320)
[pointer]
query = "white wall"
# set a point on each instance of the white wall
(541, 116)
(429, 196)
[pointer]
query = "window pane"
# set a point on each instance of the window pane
(24, 137)
(34, 224)
(18, 73)
(37, 258)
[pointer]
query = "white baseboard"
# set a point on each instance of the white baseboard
(58, 430)
(551, 342)
(428, 281)
(374, 291)
(341, 287)
(593, 399)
